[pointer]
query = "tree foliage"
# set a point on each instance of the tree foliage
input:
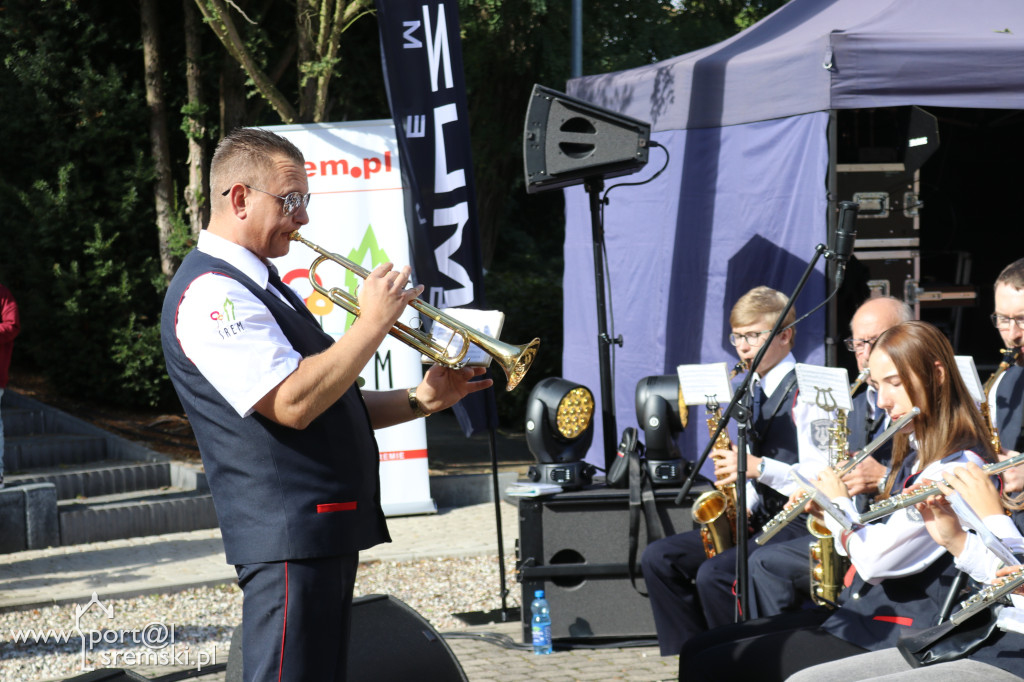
(80, 248)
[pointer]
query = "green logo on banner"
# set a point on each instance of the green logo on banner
(370, 250)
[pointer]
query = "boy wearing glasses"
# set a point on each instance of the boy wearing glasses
(690, 593)
(285, 433)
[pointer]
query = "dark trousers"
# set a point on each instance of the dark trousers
(765, 649)
(780, 577)
(690, 593)
(296, 618)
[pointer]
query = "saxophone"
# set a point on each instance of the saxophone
(828, 567)
(1009, 357)
(861, 378)
(715, 510)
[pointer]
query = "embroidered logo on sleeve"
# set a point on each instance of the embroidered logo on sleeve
(819, 433)
(227, 325)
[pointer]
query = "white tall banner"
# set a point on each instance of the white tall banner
(356, 211)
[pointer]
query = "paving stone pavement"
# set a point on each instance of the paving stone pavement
(125, 568)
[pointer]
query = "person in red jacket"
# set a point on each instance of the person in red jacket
(10, 325)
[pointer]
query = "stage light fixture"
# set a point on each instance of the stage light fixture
(559, 430)
(662, 415)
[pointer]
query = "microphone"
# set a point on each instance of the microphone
(846, 235)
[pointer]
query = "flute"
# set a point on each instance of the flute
(982, 598)
(780, 520)
(907, 499)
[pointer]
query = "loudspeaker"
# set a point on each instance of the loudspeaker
(575, 547)
(567, 140)
(390, 643)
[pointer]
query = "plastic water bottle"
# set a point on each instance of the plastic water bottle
(541, 623)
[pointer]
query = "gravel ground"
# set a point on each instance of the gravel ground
(154, 634)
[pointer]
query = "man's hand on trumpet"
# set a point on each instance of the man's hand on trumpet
(383, 296)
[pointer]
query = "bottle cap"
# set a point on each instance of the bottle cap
(538, 594)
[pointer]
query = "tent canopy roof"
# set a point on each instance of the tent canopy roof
(816, 55)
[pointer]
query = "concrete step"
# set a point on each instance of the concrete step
(21, 421)
(104, 477)
(148, 512)
(24, 453)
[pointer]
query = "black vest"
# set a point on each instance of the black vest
(280, 493)
(1009, 406)
(776, 438)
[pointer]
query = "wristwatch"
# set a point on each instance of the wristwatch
(760, 468)
(417, 409)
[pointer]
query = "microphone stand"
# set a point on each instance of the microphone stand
(736, 410)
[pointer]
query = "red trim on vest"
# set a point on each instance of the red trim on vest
(898, 620)
(336, 507)
(848, 578)
(284, 625)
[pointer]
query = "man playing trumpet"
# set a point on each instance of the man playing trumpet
(285, 433)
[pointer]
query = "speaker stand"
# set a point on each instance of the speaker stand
(594, 185)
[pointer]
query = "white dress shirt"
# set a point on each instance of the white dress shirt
(230, 334)
(813, 455)
(900, 545)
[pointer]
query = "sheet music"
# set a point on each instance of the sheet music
(819, 497)
(969, 372)
(697, 382)
(971, 520)
(832, 384)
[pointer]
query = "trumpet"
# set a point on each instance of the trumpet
(783, 518)
(903, 500)
(514, 360)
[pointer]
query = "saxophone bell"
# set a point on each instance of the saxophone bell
(828, 567)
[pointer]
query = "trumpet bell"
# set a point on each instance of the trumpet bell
(515, 361)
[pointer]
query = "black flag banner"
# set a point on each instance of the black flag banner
(422, 59)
